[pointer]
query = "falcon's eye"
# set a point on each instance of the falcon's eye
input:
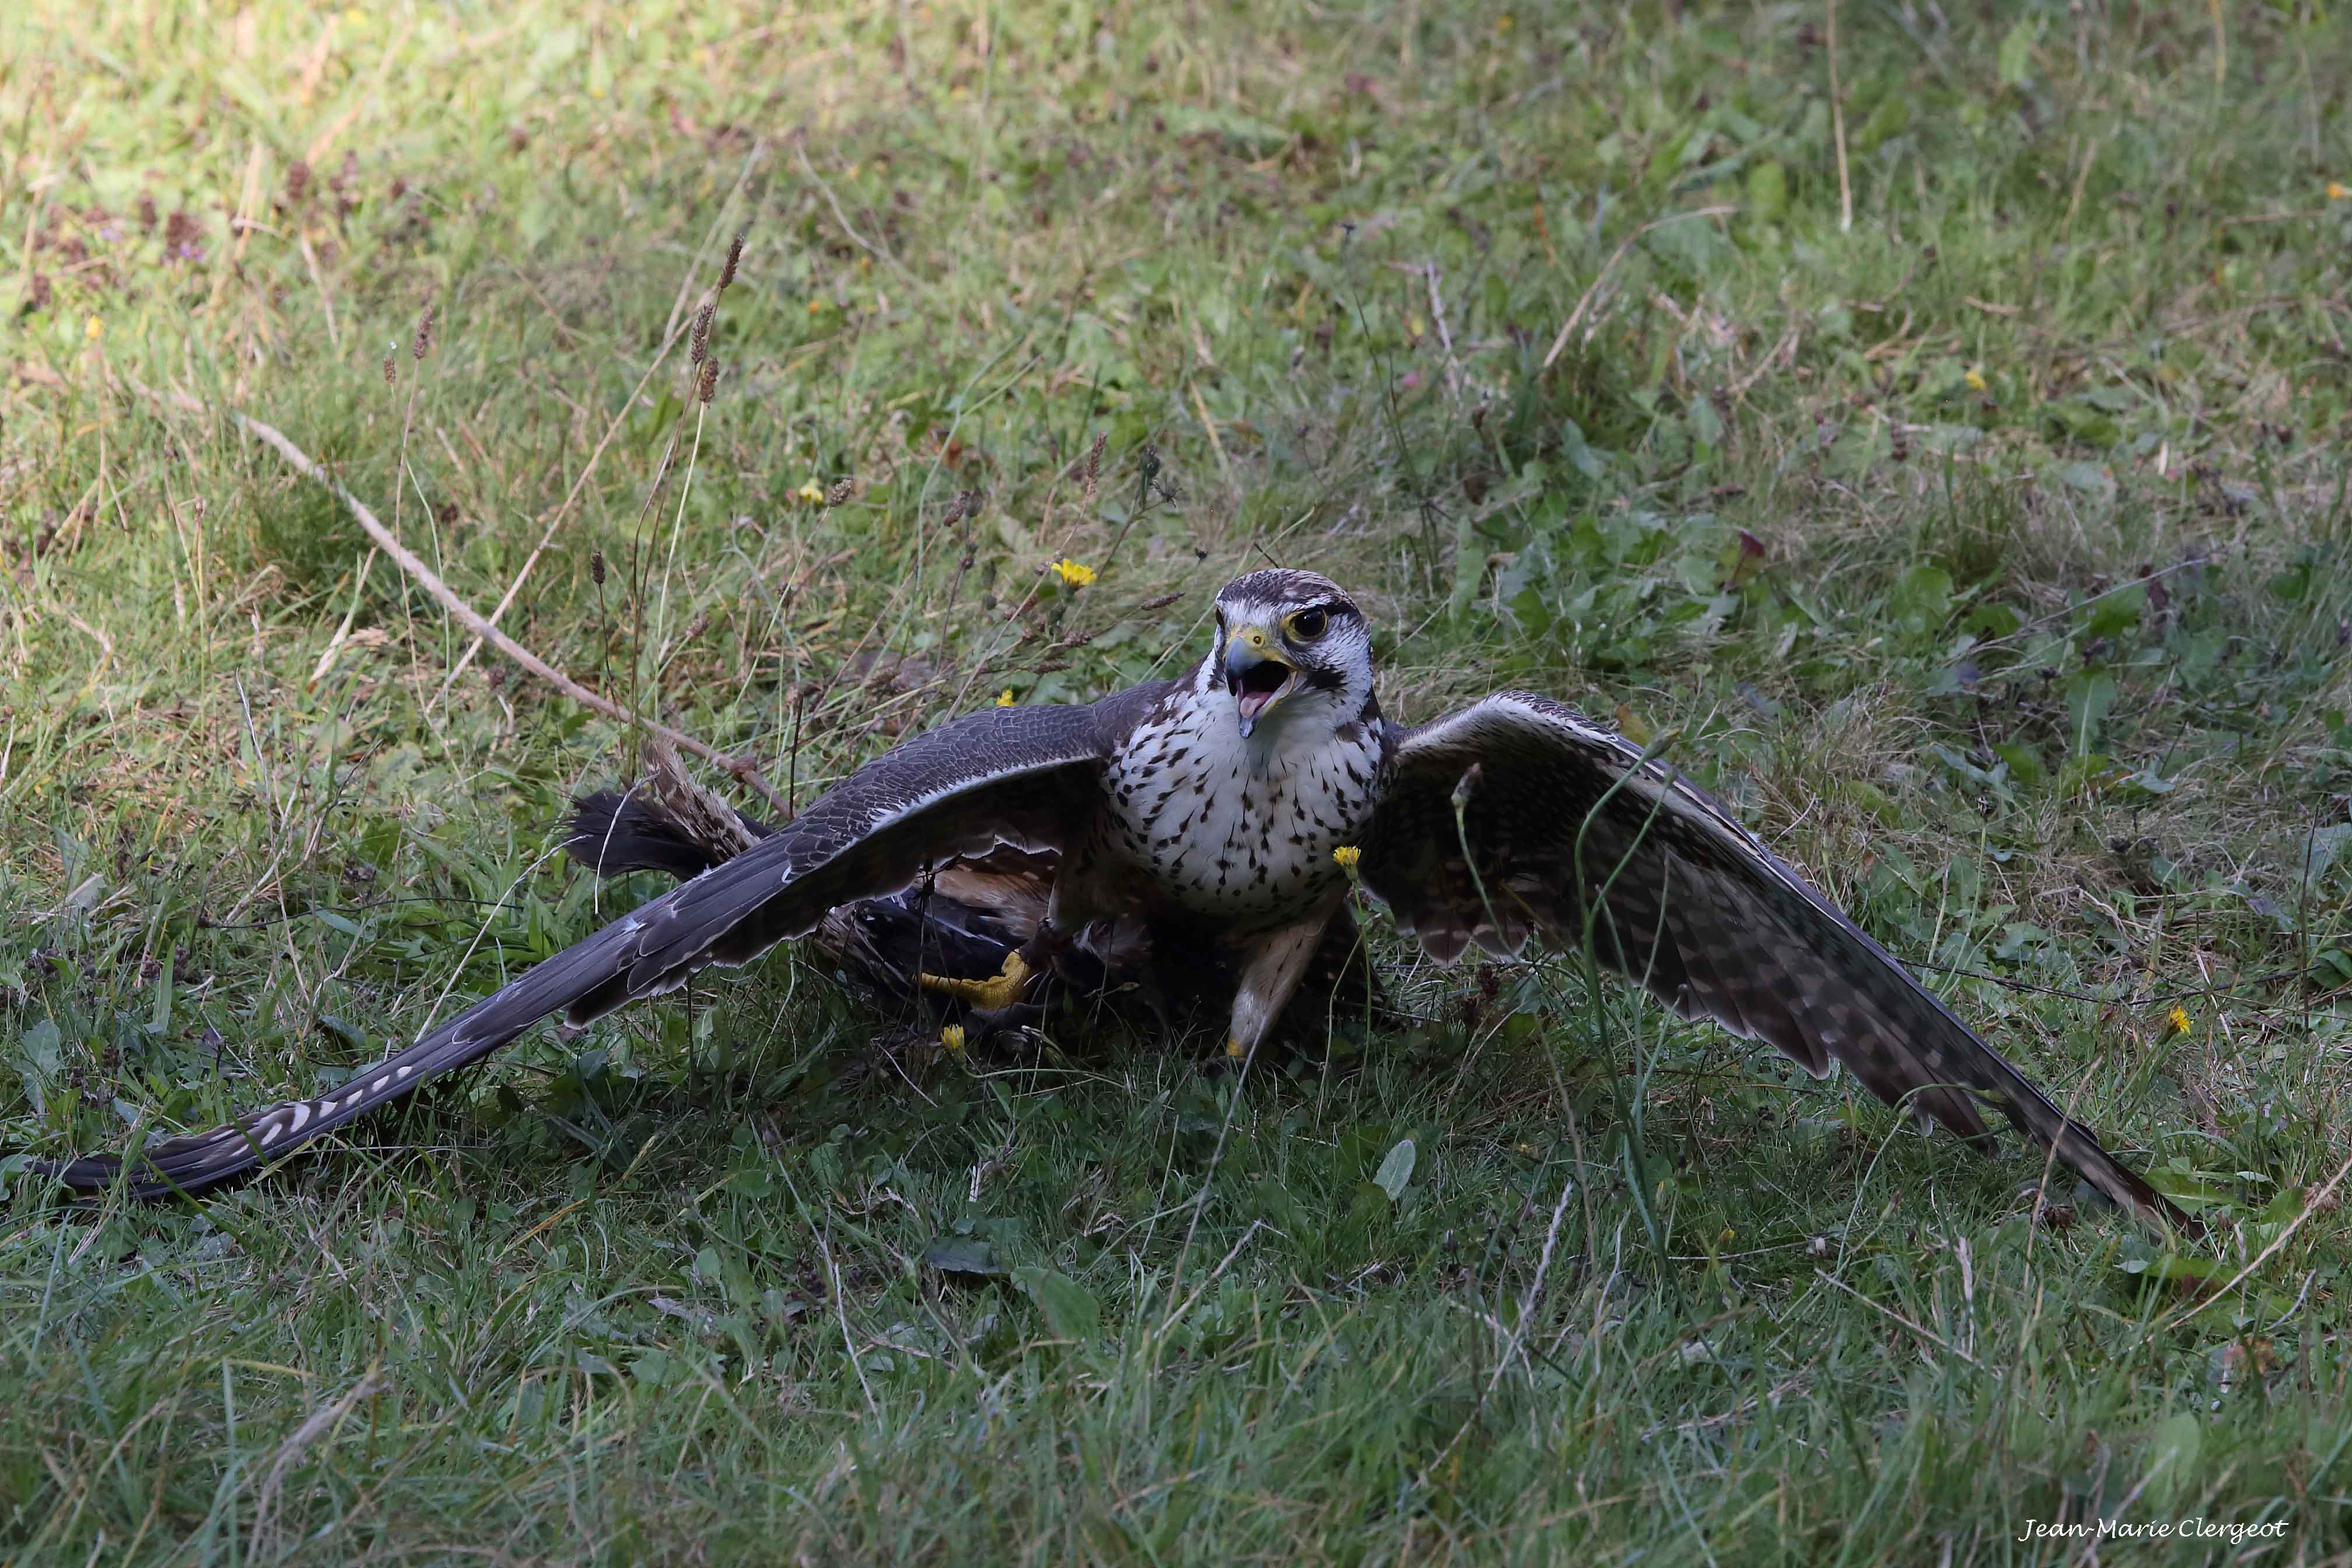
(1308, 625)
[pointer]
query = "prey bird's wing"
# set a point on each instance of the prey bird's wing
(1023, 776)
(1568, 826)
(615, 832)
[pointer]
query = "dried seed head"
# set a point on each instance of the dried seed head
(734, 257)
(596, 567)
(702, 331)
(1159, 601)
(297, 182)
(840, 492)
(1094, 462)
(709, 379)
(424, 333)
(965, 504)
(391, 367)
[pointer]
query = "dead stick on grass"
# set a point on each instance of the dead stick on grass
(302, 463)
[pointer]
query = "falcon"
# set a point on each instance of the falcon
(1223, 819)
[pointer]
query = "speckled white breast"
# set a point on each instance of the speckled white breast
(1239, 829)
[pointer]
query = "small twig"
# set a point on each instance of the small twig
(2067, 610)
(263, 1541)
(326, 301)
(1430, 275)
(2311, 1206)
(1924, 1333)
(2082, 181)
(1837, 128)
(842, 219)
(1569, 326)
(628, 406)
(465, 615)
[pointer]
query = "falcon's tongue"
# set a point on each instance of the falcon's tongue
(1256, 689)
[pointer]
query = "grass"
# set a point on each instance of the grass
(1989, 553)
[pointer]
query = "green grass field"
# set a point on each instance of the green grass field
(1949, 468)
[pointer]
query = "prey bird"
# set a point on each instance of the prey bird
(1222, 819)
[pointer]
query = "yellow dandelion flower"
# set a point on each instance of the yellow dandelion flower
(1075, 576)
(816, 307)
(952, 1038)
(811, 492)
(2337, 191)
(1975, 379)
(2178, 1019)
(1349, 856)
(1234, 1047)
(93, 329)
(1004, 697)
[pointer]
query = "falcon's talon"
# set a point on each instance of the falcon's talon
(1009, 986)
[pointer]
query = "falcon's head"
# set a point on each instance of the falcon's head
(1293, 652)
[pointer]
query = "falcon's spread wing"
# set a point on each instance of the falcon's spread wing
(1563, 816)
(1023, 776)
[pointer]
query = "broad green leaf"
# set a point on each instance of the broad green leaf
(1396, 1169)
(1070, 1309)
(2172, 1452)
(2017, 52)
(2089, 695)
(965, 1254)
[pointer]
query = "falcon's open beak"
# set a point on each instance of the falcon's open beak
(1257, 672)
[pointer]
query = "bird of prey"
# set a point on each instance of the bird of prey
(1229, 812)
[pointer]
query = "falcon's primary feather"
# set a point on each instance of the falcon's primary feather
(1201, 815)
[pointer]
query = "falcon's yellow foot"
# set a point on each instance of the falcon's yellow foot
(1012, 982)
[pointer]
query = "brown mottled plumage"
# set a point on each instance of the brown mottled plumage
(1194, 822)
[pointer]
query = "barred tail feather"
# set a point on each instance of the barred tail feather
(1009, 775)
(189, 1164)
